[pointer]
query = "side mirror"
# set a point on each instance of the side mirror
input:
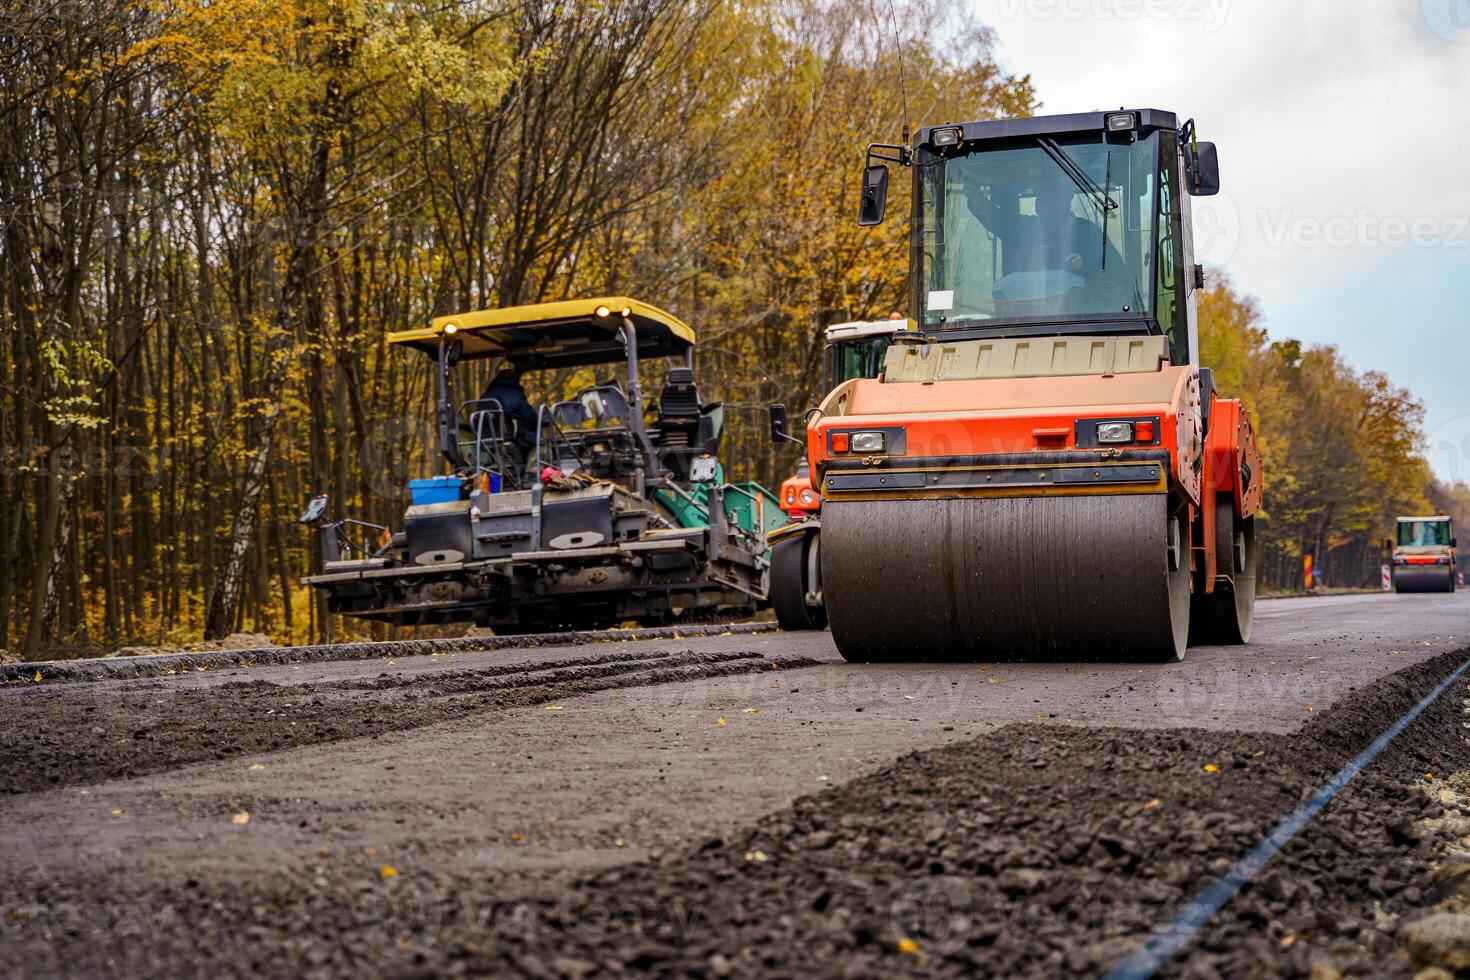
(875, 195)
(779, 428)
(1454, 543)
(314, 510)
(1388, 544)
(1202, 170)
(703, 469)
(453, 351)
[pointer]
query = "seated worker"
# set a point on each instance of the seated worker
(1053, 238)
(506, 389)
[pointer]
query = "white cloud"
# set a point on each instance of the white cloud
(1344, 141)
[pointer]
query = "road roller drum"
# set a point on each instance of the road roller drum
(1006, 578)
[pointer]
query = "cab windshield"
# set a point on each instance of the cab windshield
(1020, 234)
(1431, 534)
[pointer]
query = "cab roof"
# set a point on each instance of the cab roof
(1033, 127)
(867, 328)
(569, 333)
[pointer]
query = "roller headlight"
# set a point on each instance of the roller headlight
(808, 498)
(1114, 432)
(867, 442)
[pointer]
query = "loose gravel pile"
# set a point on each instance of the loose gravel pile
(1040, 850)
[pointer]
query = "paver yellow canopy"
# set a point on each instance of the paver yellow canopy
(1042, 469)
(580, 513)
(564, 334)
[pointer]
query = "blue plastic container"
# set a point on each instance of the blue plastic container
(436, 490)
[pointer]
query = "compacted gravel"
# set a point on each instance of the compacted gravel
(81, 733)
(1034, 850)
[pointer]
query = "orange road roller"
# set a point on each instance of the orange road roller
(1043, 469)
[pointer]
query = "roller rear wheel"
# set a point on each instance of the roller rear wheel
(791, 565)
(1225, 617)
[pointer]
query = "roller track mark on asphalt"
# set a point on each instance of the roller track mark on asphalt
(1174, 935)
(526, 673)
(55, 729)
(163, 664)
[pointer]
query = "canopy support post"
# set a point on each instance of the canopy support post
(648, 464)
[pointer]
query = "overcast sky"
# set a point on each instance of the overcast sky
(1344, 135)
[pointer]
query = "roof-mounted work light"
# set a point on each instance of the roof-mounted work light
(945, 136)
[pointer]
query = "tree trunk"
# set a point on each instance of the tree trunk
(299, 303)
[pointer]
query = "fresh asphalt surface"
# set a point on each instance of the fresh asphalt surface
(551, 790)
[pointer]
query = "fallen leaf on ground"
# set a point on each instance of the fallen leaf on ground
(991, 680)
(618, 842)
(387, 871)
(1211, 767)
(1309, 707)
(553, 707)
(757, 856)
(516, 838)
(38, 677)
(1153, 803)
(751, 711)
(118, 812)
(241, 818)
(1287, 941)
(907, 945)
(255, 765)
(720, 721)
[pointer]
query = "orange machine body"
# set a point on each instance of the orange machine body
(1036, 436)
(799, 499)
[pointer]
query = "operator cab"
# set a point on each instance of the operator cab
(857, 350)
(1068, 225)
(1426, 533)
(588, 420)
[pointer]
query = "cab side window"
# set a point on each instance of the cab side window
(1171, 308)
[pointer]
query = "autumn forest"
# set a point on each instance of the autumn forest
(211, 214)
